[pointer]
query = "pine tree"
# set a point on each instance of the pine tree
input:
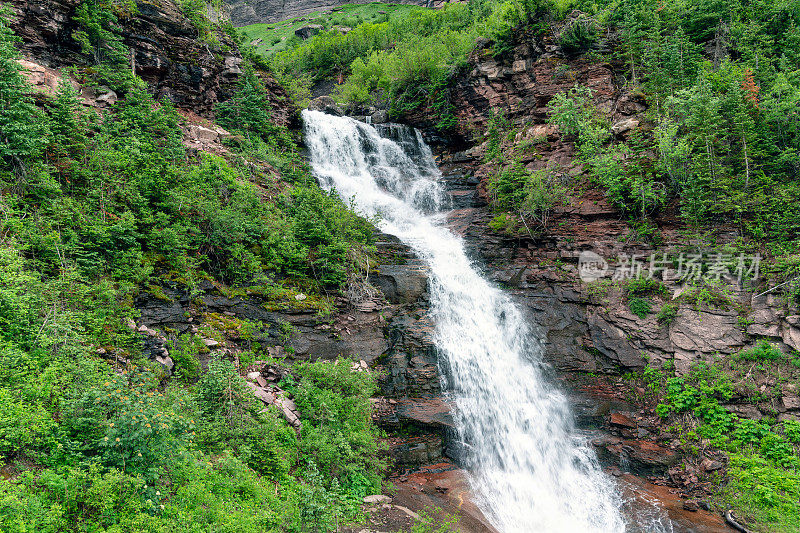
(68, 124)
(21, 123)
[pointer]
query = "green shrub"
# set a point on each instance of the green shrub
(531, 195)
(643, 286)
(504, 223)
(573, 112)
(792, 430)
(640, 306)
(24, 427)
(763, 491)
(578, 36)
(221, 391)
(709, 294)
(763, 351)
(99, 36)
(195, 11)
(667, 313)
(338, 433)
(184, 353)
(21, 122)
(430, 523)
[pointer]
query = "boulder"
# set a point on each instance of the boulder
(210, 343)
(765, 318)
(402, 283)
(380, 117)
(433, 413)
(326, 104)
(625, 125)
(790, 332)
(261, 393)
(43, 79)
(709, 465)
(377, 498)
(307, 32)
(642, 456)
(166, 361)
(697, 334)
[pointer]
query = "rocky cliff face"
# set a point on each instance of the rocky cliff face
(244, 12)
(164, 47)
(592, 335)
(589, 327)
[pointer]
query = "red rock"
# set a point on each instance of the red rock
(709, 466)
(619, 419)
(690, 505)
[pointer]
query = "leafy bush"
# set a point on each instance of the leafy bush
(99, 36)
(624, 172)
(640, 306)
(184, 354)
(337, 428)
(642, 286)
(763, 351)
(531, 195)
(667, 313)
(708, 294)
(195, 11)
(578, 36)
(762, 478)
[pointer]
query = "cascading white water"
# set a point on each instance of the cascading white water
(530, 470)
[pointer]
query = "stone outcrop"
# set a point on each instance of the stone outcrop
(308, 31)
(165, 51)
(520, 85)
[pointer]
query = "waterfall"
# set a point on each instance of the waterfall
(530, 470)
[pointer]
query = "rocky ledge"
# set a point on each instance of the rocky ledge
(165, 51)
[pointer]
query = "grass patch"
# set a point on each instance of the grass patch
(279, 36)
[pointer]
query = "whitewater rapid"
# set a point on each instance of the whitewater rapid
(530, 470)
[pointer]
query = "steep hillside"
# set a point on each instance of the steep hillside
(163, 238)
(243, 12)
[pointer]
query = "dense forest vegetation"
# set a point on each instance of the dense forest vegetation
(97, 207)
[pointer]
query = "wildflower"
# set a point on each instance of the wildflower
(148, 425)
(111, 424)
(158, 493)
(117, 439)
(105, 438)
(162, 505)
(139, 454)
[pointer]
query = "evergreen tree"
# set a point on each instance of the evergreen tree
(68, 125)
(21, 124)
